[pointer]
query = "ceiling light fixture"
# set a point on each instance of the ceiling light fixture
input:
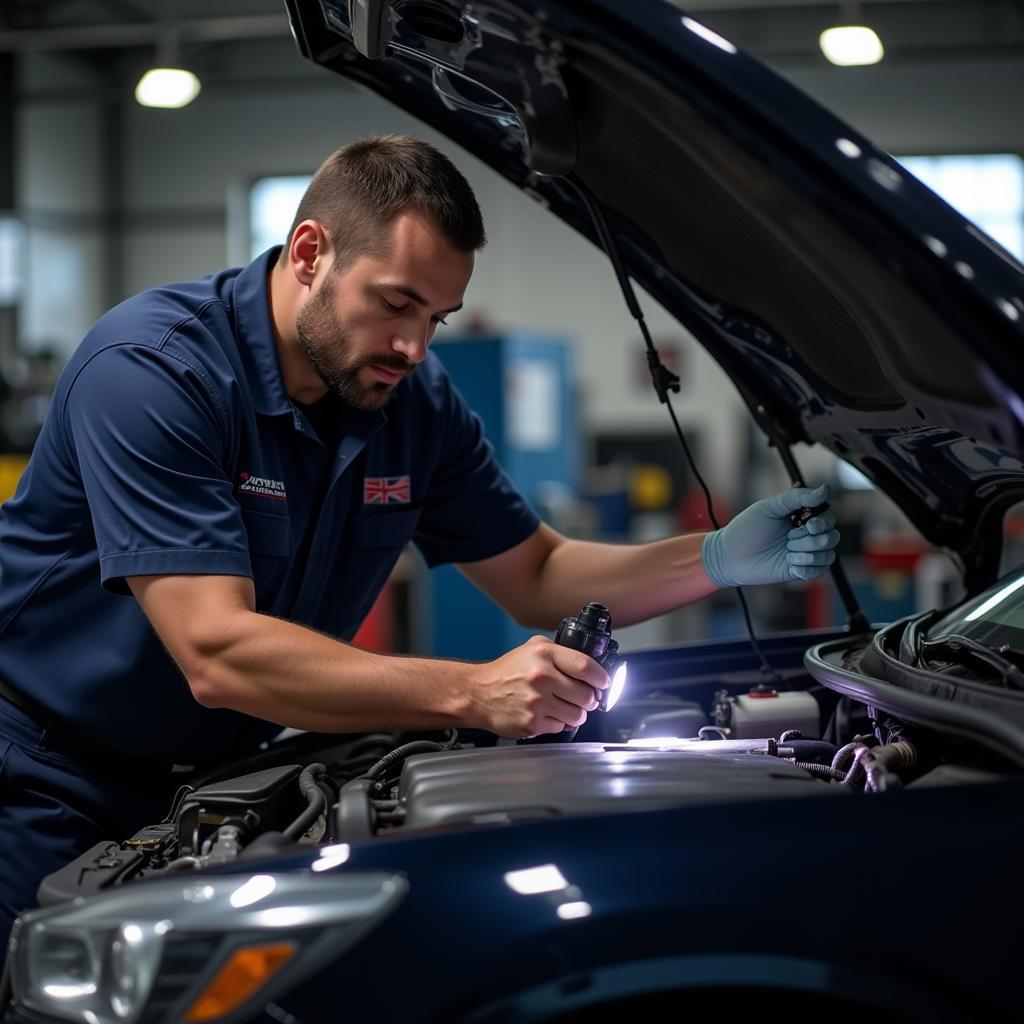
(851, 43)
(167, 85)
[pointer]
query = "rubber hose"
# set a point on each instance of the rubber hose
(811, 750)
(266, 844)
(314, 795)
(882, 760)
(705, 732)
(188, 861)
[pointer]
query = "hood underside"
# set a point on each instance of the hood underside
(849, 305)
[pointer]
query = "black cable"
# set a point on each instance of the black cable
(858, 769)
(179, 798)
(821, 770)
(329, 792)
(664, 382)
(841, 761)
(397, 756)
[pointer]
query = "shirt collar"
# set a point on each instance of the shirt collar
(255, 335)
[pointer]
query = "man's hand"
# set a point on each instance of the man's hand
(536, 688)
(760, 545)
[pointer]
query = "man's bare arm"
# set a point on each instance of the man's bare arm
(234, 657)
(549, 576)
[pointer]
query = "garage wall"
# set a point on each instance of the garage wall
(956, 106)
(513, 285)
(169, 209)
(60, 195)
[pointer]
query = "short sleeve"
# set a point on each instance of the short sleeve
(149, 437)
(472, 510)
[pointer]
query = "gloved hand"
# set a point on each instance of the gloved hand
(760, 545)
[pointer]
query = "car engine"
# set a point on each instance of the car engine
(657, 752)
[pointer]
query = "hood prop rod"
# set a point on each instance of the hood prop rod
(857, 622)
(664, 381)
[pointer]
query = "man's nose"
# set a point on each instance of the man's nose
(413, 347)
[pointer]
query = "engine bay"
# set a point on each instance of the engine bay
(744, 742)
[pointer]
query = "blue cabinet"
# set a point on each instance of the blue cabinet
(522, 387)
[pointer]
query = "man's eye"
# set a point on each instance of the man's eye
(391, 307)
(439, 320)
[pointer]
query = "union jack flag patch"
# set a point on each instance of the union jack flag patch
(386, 490)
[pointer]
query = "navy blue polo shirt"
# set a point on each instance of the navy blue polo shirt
(171, 446)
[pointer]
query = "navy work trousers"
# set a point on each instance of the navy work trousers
(56, 803)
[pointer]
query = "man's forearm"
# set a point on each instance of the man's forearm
(637, 581)
(282, 672)
(236, 658)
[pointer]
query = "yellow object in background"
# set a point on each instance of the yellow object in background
(650, 488)
(11, 468)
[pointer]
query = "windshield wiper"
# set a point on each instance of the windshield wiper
(962, 650)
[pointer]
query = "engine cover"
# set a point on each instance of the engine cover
(570, 779)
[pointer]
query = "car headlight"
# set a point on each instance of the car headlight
(195, 949)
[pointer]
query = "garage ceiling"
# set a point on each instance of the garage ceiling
(783, 32)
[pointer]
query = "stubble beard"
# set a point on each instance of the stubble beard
(328, 347)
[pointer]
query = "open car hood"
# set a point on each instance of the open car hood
(849, 305)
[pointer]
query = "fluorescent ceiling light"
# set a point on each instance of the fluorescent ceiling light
(167, 87)
(851, 45)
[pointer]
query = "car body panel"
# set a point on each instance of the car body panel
(728, 897)
(850, 306)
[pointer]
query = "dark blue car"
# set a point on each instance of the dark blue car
(831, 831)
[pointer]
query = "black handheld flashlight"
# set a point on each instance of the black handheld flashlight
(591, 633)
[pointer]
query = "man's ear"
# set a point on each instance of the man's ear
(308, 251)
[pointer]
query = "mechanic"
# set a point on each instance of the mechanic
(227, 474)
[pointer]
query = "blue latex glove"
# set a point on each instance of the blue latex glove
(760, 545)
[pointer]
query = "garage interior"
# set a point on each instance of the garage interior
(101, 197)
(237, 785)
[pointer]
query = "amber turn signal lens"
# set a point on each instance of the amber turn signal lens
(246, 971)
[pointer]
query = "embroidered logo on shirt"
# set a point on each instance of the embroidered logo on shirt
(262, 485)
(386, 490)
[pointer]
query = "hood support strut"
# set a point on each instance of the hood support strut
(858, 621)
(665, 382)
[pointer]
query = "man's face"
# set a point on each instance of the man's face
(366, 328)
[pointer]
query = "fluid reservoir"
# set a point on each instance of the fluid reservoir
(766, 712)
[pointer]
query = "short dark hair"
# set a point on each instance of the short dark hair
(359, 188)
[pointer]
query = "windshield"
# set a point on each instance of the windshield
(995, 617)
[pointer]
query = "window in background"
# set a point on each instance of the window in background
(851, 478)
(987, 189)
(12, 259)
(272, 205)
